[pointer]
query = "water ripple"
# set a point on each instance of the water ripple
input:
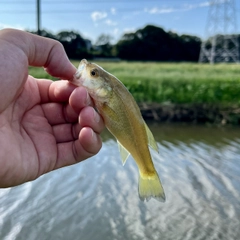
(98, 199)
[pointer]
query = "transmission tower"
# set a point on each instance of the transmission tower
(222, 43)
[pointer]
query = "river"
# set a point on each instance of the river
(97, 199)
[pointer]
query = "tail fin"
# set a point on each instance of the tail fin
(150, 186)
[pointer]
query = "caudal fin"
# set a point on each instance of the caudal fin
(150, 187)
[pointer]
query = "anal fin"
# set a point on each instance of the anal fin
(151, 141)
(123, 152)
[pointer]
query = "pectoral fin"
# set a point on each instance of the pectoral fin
(123, 152)
(151, 141)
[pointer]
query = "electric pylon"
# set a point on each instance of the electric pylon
(222, 43)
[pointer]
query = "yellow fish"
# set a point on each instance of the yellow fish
(123, 119)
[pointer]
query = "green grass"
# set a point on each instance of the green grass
(175, 82)
(38, 72)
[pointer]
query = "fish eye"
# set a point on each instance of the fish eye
(94, 72)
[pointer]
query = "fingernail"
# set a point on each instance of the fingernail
(88, 100)
(96, 116)
(94, 136)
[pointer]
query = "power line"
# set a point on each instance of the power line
(100, 1)
(68, 11)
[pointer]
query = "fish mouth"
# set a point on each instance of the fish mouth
(78, 74)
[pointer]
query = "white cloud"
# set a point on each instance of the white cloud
(193, 6)
(204, 4)
(157, 10)
(98, 15)
(113, 11)
(110, 22)
(186, 7)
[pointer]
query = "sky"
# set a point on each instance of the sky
(91, 18)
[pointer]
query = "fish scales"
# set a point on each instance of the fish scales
(129, 123)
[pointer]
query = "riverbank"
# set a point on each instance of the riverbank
(179, 92)
(191, 113)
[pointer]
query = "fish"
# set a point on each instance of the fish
(122, 117)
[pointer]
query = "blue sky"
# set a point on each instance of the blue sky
(93, 17)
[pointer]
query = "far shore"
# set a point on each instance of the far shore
(191, 113)
(178, 92)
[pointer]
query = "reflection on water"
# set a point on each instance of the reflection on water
(200, 170)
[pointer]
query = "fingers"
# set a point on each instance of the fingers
(63, 91)
(90, 118)
(41, 51)
(80, 99)
(59, 113)
(66, 132)
(55, 96)
(57, 91)
(70, 132)
(68, 119)
(87, 145)
(79, 141)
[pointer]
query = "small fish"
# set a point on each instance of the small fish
(123, 119)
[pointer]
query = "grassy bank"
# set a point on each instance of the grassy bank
(175, 82)
(180, 82)
(201, 86)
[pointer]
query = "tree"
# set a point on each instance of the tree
(103, 39)
(75, 45)
(153, 43)
(44, 33)
(103, 47)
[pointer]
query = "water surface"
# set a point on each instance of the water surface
(199, 167)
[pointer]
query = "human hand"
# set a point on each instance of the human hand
(44, 125)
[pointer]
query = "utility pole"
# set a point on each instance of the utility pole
(38, 18)
(222, 43)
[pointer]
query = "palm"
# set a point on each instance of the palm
(32, 143)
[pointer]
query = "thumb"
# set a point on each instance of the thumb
(42, 52)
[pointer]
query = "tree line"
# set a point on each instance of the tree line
(150, 43)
